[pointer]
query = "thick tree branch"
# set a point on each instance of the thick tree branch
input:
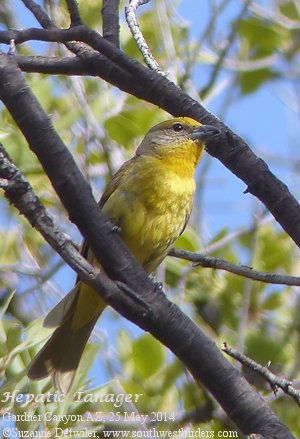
(165, 321)
(88, 62)
(53, 34)
(74, 12)
(39, 13)
(77, 33)
(110, 21)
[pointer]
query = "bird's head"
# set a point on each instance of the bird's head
(181, 136)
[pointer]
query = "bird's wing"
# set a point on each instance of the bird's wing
(109, 190)
(187, 217)
(115, 181)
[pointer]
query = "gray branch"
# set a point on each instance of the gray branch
(130, 13)
(241, 270)
(274, 380)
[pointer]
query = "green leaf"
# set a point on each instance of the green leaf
(135, 120)
(263, 37)
(263, 348)
(274, 250)
(290, 10)
(13, 336)
(148, 355)
(273, 301)
(252, 80)
(5, 305)
(189, 240)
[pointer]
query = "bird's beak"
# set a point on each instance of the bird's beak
(204, 132)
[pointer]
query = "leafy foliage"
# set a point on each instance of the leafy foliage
(102, 127)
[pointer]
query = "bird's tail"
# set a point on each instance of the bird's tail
(61, 354)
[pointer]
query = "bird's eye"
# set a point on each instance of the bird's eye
(177, 127)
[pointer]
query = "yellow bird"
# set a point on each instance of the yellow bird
(150, 198)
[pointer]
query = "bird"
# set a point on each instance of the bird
(150, 200)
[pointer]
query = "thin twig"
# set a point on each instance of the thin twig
(138, 36)
(194, 53)
(241, 270)
(274, 380)
(223, 54)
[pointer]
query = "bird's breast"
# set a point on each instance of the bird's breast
(152, 212)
